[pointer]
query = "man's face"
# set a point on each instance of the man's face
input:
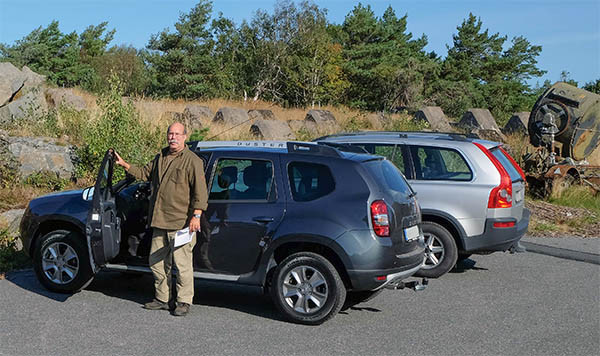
(176, 138)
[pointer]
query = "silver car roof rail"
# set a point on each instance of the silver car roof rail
(291, 146)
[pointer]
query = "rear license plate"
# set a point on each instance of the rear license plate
(411, 233)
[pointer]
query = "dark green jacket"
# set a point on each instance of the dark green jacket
(176, 191)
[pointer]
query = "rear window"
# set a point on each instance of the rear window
(506, 163)
(309, 181)
(437, 163)
(388, 176)
(391, 152)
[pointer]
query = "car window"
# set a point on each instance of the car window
(391, 152)
(241, 179)
(388, 176)
(309, 181)
(436, 163)
(507, 164)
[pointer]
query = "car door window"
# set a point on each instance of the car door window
(389, 151)
(309, 181)
(436, 163)
(241, 179)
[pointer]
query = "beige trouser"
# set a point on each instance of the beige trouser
(162, 256)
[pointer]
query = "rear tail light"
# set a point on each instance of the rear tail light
(380, 218)
(501, 196)
(514, 163)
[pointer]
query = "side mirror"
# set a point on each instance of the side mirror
(87, 194)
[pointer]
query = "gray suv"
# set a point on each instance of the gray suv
(471, 191)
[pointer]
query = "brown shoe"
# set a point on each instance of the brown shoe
(182, 309)
(156, 304)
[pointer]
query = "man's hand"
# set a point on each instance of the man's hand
(195, 224)
(121, 162)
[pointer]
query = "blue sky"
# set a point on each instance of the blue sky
(568, 31)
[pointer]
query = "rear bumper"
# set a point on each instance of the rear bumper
(497, 238)
(367, 280)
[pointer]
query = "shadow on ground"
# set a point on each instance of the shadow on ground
(466, 265)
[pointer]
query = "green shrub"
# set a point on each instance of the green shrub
(406, 123)
(199, 135)
(119, 126)
(10, 257)
(47, 180)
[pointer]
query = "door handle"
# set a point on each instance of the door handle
(264, 219)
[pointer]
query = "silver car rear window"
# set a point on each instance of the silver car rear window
(507, 164)
(388, 176)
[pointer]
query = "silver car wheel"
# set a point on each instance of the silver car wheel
(305, 290)
(60, 263)
(434, 251)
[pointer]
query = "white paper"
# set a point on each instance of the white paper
(182, 237)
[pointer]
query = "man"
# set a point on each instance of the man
(177, 200)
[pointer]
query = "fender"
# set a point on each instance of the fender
(450, 219)
(55, 219)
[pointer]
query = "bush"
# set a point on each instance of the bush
(119, 126)
(10, 257)
(46, 180)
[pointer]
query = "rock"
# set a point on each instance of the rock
(41, 154)
(261, 115)
(30, 107)
(378, 120)
(172, 116)
(295, 125)
(517, 123)
(11, 81)
(272, 130)
(65, 97)
(231, 116)
(32, 79)
(491, 135)
(197, 116)
(321, 122)
(11, 219)
(479, 119)
(435, 117)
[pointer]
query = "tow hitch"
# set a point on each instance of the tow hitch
(417, 286)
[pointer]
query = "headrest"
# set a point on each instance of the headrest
(228, 176)
(255, 175)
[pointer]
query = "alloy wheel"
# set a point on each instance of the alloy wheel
(434, 251)
(60, 263)
(305, 290)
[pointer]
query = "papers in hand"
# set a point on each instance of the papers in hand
(182, 237)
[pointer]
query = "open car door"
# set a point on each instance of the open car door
(103, 227)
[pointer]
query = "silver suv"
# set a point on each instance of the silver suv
(471, 191)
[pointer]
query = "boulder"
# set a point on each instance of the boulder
(65, 97)
(261, 115)
(11, 220)
(517, 123)
(197, 116)
(321, 122)
(272, 130)
(231, 116)
(172, 116)
(491, 135)
(378, 120)
(41, 154)
(478, 119)
(30, 106)
(295, 125)
(435, 117)
(32, 79)
(11, 81)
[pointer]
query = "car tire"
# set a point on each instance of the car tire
(441, 253)
(302, 301)
(61, 262)
(356, 297)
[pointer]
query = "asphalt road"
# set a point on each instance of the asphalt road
(501, 304)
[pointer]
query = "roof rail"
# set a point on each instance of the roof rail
(291, 146)
(344, 147)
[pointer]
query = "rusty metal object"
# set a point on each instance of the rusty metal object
(565, 126)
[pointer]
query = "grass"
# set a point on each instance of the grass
(578, 197)
(10, 257)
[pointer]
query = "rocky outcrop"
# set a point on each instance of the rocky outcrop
(30, 106)
(478, 119)
(11, 220)
(197, 116)
(435, 117)
(378, 120)
(58, 97)
(171, 116)
(231, 116)
(321, 122)
(491, 135)
(271, 130)
(261, 115)
(41, 154)
(11, 82)
(517, 123)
